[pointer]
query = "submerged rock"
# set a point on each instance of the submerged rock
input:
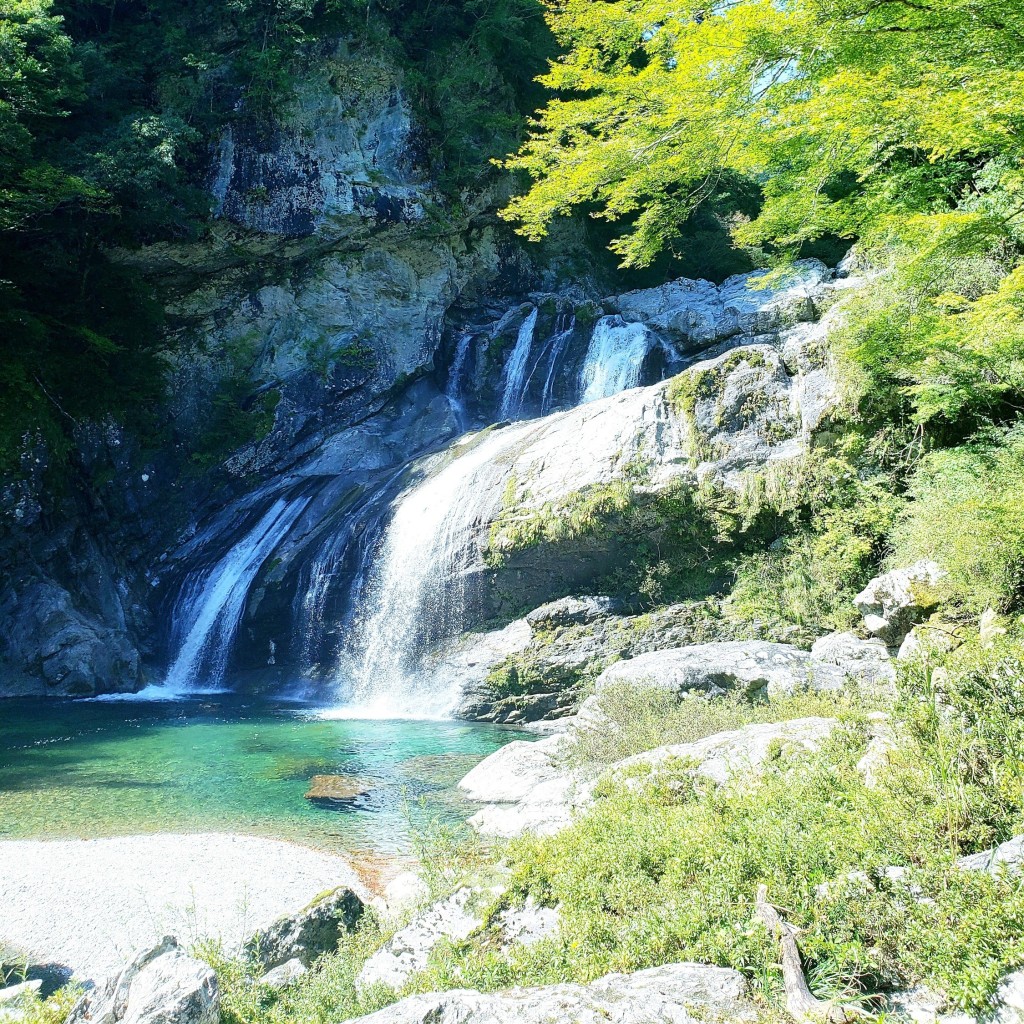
(304, 936)
(335, 787)
(161, 985)
(673, 994)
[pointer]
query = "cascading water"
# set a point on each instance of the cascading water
(212, 602)
(417, 587)
(453, 389)
(615, 358)
(557, 348)
(513, 380)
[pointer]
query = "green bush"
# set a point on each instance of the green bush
(967, 513)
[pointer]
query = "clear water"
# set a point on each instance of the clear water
(86, 769)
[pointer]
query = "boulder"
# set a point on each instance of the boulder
(554, 658)
(1008, 856)
(880, 745)
(335, 787)
(752, 666)
(161, 985)
(525, 789)
(403, 893)
(1009, 999)
(868, 662)
(571, 611)
(893, 603)
(725, 754)
(408, 950)
(311, 932)
(284, 975)
(527, 924)
(697, 313)
(673, 994)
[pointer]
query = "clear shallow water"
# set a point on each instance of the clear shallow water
(224, 763)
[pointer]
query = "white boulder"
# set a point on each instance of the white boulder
(747, 750)
(162, 985)
(893, 603)
(673, 994)
(751, 666)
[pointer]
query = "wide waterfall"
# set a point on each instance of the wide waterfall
(417, 588)
(615, 358)
(513, 382)
(211, 603)
(380, 588)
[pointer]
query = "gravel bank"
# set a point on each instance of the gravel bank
(87, 903)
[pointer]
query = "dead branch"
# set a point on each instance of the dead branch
(802, 1004)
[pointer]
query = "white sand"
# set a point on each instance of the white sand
(88, 903)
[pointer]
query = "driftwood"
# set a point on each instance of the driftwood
(802, 1004)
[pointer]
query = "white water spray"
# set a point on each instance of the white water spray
(558, 344)
(214, 602)
(513, 379)
(417, 591)
(615, 358)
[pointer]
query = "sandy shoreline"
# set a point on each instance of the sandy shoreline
(87, 903)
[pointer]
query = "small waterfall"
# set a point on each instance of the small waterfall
(417, 586)
(344, 547)
(513, 379)
(212, 602)
(453, 389)
(558, 344)
(614, 358)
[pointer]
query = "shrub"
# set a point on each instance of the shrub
(967, 513)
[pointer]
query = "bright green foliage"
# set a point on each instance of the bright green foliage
(968, 513)
(852, 114)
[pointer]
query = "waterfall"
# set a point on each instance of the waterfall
(514, 377)
(344, 546)
(212, 602)
(614, 358)
(558, 344)
(453, 389)
(417, 586)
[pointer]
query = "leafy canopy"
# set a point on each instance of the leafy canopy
(855, 115)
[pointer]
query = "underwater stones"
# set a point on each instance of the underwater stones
(672, 994)
(307, 934)
(893, 603)
(738, 752)
(159, 985)
(335, 787)
(751, 666)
